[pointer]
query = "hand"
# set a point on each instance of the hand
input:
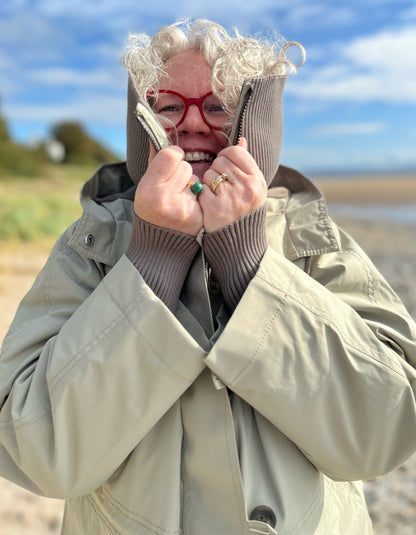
(163, 197)
(244, 191)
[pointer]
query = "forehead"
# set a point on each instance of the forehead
(187, 72)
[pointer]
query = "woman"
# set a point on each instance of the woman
(222, 360)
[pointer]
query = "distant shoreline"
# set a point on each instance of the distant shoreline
(362, 175)
(391, 189)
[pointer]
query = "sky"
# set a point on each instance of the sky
(350, 108)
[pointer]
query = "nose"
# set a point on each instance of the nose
(194, 122)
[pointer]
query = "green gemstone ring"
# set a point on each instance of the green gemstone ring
(196, 187)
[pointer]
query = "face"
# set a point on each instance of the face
(189, 74)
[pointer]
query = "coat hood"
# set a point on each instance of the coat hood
(259, 118)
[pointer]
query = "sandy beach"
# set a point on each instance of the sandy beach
(391, 499)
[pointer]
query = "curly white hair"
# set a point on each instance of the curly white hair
(233, 59)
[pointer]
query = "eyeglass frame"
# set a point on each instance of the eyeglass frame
(188, 102)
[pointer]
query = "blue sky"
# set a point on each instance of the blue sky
(351, 107)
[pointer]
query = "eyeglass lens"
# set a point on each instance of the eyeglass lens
(174, 107)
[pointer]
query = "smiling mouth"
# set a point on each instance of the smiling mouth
(199, 156)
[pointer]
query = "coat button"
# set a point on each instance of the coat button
(89, 240)
(265, 514)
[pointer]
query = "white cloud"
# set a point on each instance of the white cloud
(315, 159)
(379, 67)
(30, 39)
(94, 109)
(348, 129)
(242, 13)
(105, 7)
(409, 14)
(402, 156)
(125, 10)
(319, 15)
(72, 77)
(388, 51)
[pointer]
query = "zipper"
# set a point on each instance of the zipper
(207, 269)
(245, 95)
(152, 127)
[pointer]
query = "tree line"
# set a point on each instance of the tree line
(69, 143)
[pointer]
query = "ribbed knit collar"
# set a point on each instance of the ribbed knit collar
(261, 124)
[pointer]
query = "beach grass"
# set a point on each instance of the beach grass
(40, 208)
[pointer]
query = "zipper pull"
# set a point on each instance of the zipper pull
(152, 127)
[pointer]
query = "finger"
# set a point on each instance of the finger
(238, 156)
(165, 163)
(212, 189)
(193, 185)
(222, 167)
(205, 194)
(218, 184)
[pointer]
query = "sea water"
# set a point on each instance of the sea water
(404, 214)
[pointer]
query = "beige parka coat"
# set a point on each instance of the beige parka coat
(149, 422)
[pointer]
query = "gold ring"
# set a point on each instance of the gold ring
(217, 181)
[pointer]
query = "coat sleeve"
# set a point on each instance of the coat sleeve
(328, 359)
(85, 374)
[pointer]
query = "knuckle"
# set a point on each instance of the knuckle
(254, 192)
(171, 155)
(185, 167)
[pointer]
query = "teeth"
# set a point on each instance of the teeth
(198, 156)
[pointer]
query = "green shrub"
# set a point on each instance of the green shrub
(19, 160)
(80, 148)
(4, 132)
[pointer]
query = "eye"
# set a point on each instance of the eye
(169, 108)
(214, 106)
(169, 105)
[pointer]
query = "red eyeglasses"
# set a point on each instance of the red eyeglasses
(175, 106)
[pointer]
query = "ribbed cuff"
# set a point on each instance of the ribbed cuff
(163, 258)
(234, 253)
